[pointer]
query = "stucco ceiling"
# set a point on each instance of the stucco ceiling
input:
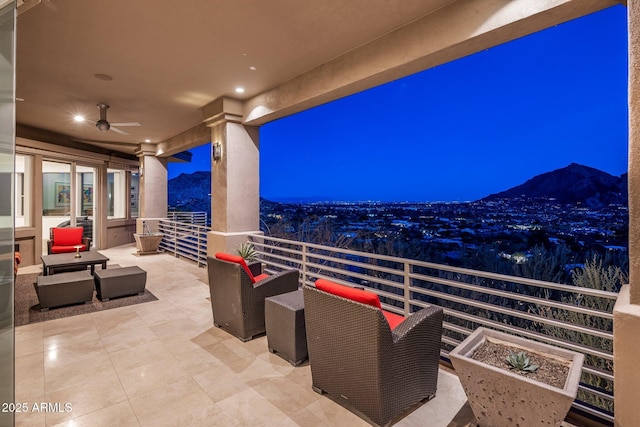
(169, 58)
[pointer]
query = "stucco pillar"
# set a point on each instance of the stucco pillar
(153, 195)
(626, 314)
(235, 177)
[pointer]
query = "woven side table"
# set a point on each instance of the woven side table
(284, 321)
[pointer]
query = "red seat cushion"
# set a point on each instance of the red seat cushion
(358, 295)
(17, 259)
(238, 260)
(66, 249)
(260, 277)
(67, 236)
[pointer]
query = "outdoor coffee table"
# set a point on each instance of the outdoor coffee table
(61, 261)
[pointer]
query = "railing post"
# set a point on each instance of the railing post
(304, 264)
(407, 293)
(198, 245)
(175, 239)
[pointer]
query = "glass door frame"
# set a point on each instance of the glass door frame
(75, 195)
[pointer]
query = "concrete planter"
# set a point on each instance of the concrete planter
(500, 397)
(148, 243)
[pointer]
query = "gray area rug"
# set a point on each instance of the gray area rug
(27, 306)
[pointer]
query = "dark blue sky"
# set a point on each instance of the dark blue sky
(463, 130)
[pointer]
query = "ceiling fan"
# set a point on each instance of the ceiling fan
(103, 125)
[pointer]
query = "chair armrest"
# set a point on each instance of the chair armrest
(49, 246)
(285, 281)
(426, 319)
(87, 242)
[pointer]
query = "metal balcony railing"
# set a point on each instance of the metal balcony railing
(184, 239)
(195, 218)
(557, 314)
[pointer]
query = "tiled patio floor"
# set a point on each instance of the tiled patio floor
(163, 363)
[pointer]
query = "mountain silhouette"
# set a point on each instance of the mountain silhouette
(188, 188)
(572, 184)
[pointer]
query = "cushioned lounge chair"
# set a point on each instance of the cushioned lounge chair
(238, 291)
(65, 239)
(374, 362)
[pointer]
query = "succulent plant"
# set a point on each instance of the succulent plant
(248, 252)
(520, 361)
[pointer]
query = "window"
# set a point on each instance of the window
(116, 194)
(135, 185)
(23, 193)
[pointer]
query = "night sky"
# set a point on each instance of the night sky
(462, 130)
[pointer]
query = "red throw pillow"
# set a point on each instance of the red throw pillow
(392, 319)
(238, 260)
(358, 295)
(67, 236)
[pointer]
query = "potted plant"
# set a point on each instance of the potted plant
(248, 252)
(512, 381)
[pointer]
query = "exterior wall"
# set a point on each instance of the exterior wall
(633, 9)
(626, 314)
(25, 238)
(120, 232)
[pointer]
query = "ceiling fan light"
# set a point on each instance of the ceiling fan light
(103, 125)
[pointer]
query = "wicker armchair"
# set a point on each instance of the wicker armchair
(238, 292)
(366, 366)
(64, 239)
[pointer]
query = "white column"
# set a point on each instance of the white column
(153, 183)
(235, 177)
(626, 314)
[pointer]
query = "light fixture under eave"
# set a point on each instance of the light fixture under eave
(239, 90)
(216, 151)
(78, 118)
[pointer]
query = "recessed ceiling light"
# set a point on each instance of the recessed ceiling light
(147, 140)
(239, 90)
(78, 118)
(105, 77)
(252, 68)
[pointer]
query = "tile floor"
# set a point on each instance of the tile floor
(163, 363)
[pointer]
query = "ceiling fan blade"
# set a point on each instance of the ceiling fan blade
(120, 131)
(125, 124)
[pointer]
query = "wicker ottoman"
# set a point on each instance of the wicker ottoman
(64, 289)
(284, 322)
(120, 282)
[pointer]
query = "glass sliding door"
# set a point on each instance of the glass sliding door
(133, 196)
(68, 198)
(116, 193)
(85, 200)
(56, 198)
(7, 236)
